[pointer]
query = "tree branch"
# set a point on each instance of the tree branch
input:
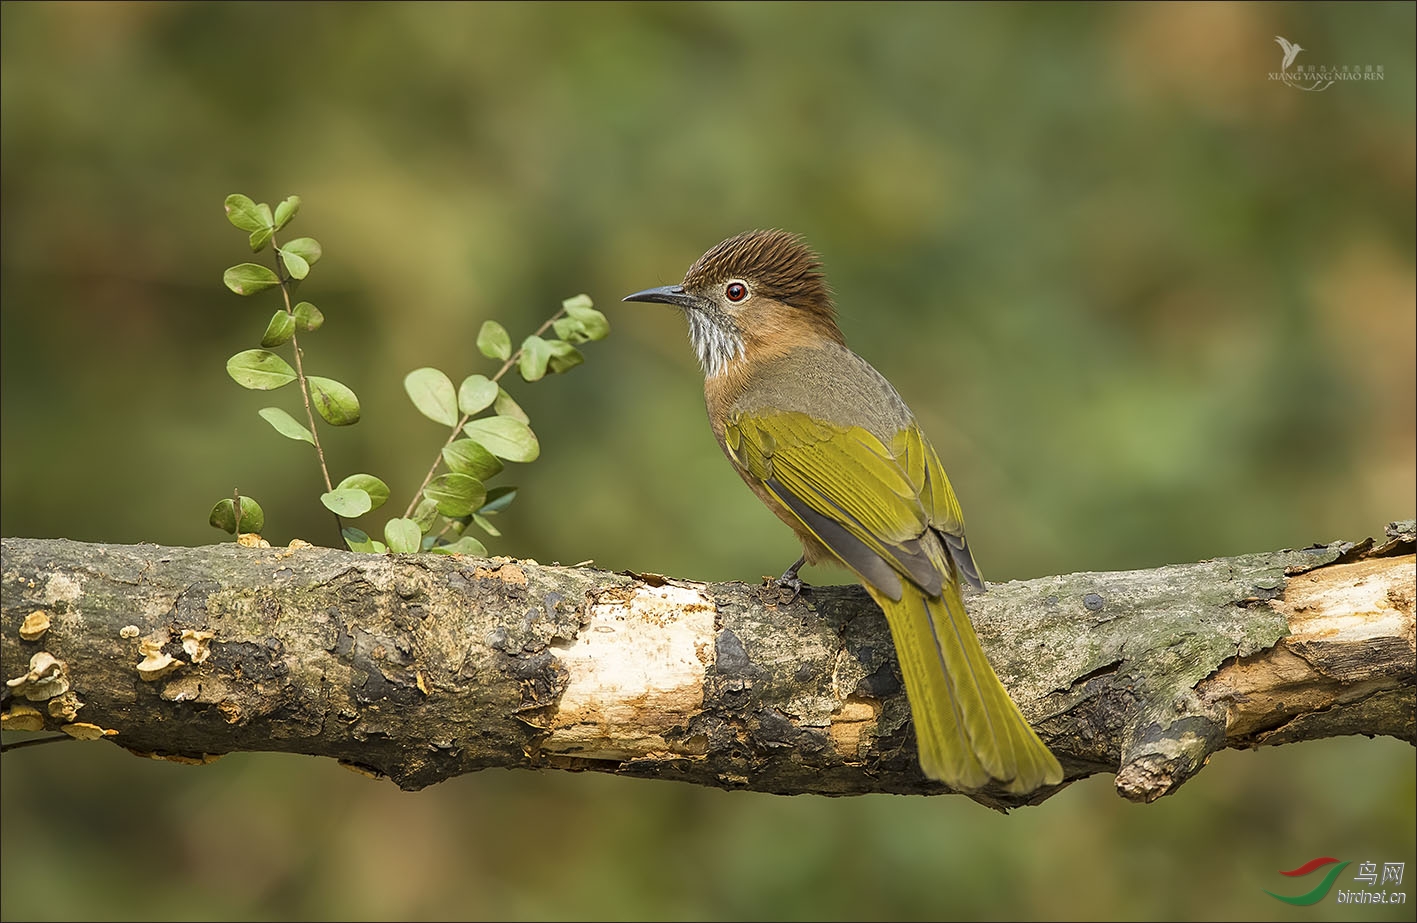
(423, 667)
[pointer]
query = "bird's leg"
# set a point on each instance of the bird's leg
(790, 581)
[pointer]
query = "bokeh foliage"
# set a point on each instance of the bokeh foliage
(1149, 305)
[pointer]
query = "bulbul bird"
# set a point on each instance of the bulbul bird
(824, 440)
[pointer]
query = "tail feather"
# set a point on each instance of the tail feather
(968, 729)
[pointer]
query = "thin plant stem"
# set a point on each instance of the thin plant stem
(304, 387)
(506, 367)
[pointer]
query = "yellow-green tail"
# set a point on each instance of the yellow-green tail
(969, 731)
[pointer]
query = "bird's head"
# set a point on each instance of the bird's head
(761, 290)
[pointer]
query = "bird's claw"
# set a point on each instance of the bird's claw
(789, 584)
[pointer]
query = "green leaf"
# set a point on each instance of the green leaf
(259, 370)
(465, 545)
(564, 356)
(249, 278)
(253, 518)
(308, 317)
(307, 248)
(279, 330)
(347, 501)
(377, 490)
(569, 329)
(223, 516)
(432, 393)
(498, 499)
(259, 238)
(403, 536)
(476, 394)
(505, 437)
(286, 425)
(506, 407)
(295, 264)
(425, 513)
(485, 525)
(244, 213)
(535, 354)
(333, 401)
(466, 456)
(493, 341)
(592, 322)
(287, 210)
(456, 494)
(379, 547)
(357, 539)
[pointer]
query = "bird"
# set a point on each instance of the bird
(1291, 51)
(827, 443)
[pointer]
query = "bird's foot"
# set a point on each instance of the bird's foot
(792, 585)
(789, 581)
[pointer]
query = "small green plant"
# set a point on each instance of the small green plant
(486, 425)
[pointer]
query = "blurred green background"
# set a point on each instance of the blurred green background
(1149, 305)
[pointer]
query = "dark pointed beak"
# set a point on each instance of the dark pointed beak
(665, 294)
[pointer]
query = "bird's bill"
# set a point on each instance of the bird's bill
(665, 294)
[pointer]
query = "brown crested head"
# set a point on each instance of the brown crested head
(774, 264)
(758, 294)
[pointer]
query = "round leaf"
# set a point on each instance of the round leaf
(249, 278)
(295, 264)
(476, 394)
(493, 341)
(564, 356)
(465, 545)
(347, 501)
(403, 536)
(468, 457)
(570, 330)
(425, 513)
(377, 490)
(308, 317)
(223, 516)
(505, 437)
(535, 354)
(279, 330)
(432, 393)
(333, 401)
(456, 494)
(307, 248)
(498, 499)
(244, 213)
(591, 321)
(259, 370)
(286, 425)
(357, 539)
(259, 238)
(506, 407)
(286, 210)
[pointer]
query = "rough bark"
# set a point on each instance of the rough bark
(424, 667)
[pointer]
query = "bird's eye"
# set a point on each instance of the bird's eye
(736, 291)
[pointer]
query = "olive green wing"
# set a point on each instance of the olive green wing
(849, 490)
(922, 466)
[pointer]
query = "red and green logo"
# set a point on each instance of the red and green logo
(1321, 891)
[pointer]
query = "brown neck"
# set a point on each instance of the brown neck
(769, 331)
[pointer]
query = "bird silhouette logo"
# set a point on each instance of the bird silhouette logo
(1294, 78)
(1291, 51)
